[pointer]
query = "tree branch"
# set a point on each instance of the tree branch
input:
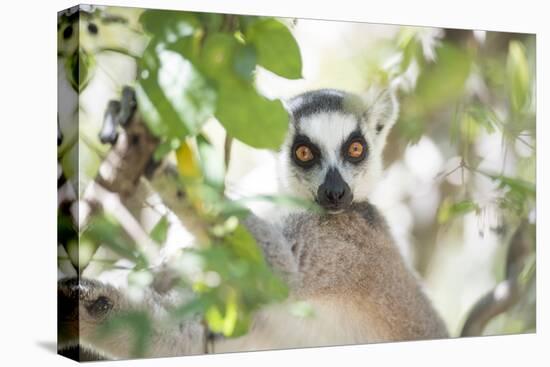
(130, 171)
(166, 183)
(227, 150)
(506, 293)
(111, 203)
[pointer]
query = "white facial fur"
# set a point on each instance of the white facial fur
(328, 131)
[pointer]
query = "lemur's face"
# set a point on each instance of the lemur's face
(333, 151)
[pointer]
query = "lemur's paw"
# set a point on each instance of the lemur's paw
(82, 305)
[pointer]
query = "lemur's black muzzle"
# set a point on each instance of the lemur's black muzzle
(334, 194)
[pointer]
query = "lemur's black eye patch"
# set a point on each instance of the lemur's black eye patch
(355, 148)
(304, 153)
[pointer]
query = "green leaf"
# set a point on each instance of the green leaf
(140, 278)
(103, 230)
(80, 67)
(449, 210)
(137, 322)
(469, 128)
(410, 46)
(231, 313)
(188, 165)
(234, 208)
(284, 200)
(443, 81)
(212, 164)
(211, 21)
(229, 317)
(173, 96)
(246, 21)
(222, 56)
(191, 96)
(516, 184)
(517, 70)
(247, 282)
(159, 233)
(198, 305)
(81, 252)
(65, 228)
(485, 117)
(216, 56)
(412, 126)
(242, 324)
(276, 47)
(249, 116)
(245, 62)
(440, 86)
(260, 122)
(223, 229)
(244, 245)
(166, 147)
(214, 318)
(168, 24)
(70, 163)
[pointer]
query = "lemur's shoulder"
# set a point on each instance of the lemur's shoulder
(370, 213)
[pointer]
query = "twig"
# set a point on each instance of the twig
(147, 204)
(111, 203)
(128, 159)
(227, 150)
(229, 23)
(444, 174)
(525, 142)
(166, 183)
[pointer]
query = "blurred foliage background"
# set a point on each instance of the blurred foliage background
(460, 163)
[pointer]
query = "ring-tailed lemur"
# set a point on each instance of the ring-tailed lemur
(344, 263)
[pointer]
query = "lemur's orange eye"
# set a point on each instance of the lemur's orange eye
(355, 149)
(304, 154)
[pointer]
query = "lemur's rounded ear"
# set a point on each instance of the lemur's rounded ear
(382, 109)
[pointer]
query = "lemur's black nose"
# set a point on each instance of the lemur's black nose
(334, 194)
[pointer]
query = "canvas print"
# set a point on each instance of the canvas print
(233, 183)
